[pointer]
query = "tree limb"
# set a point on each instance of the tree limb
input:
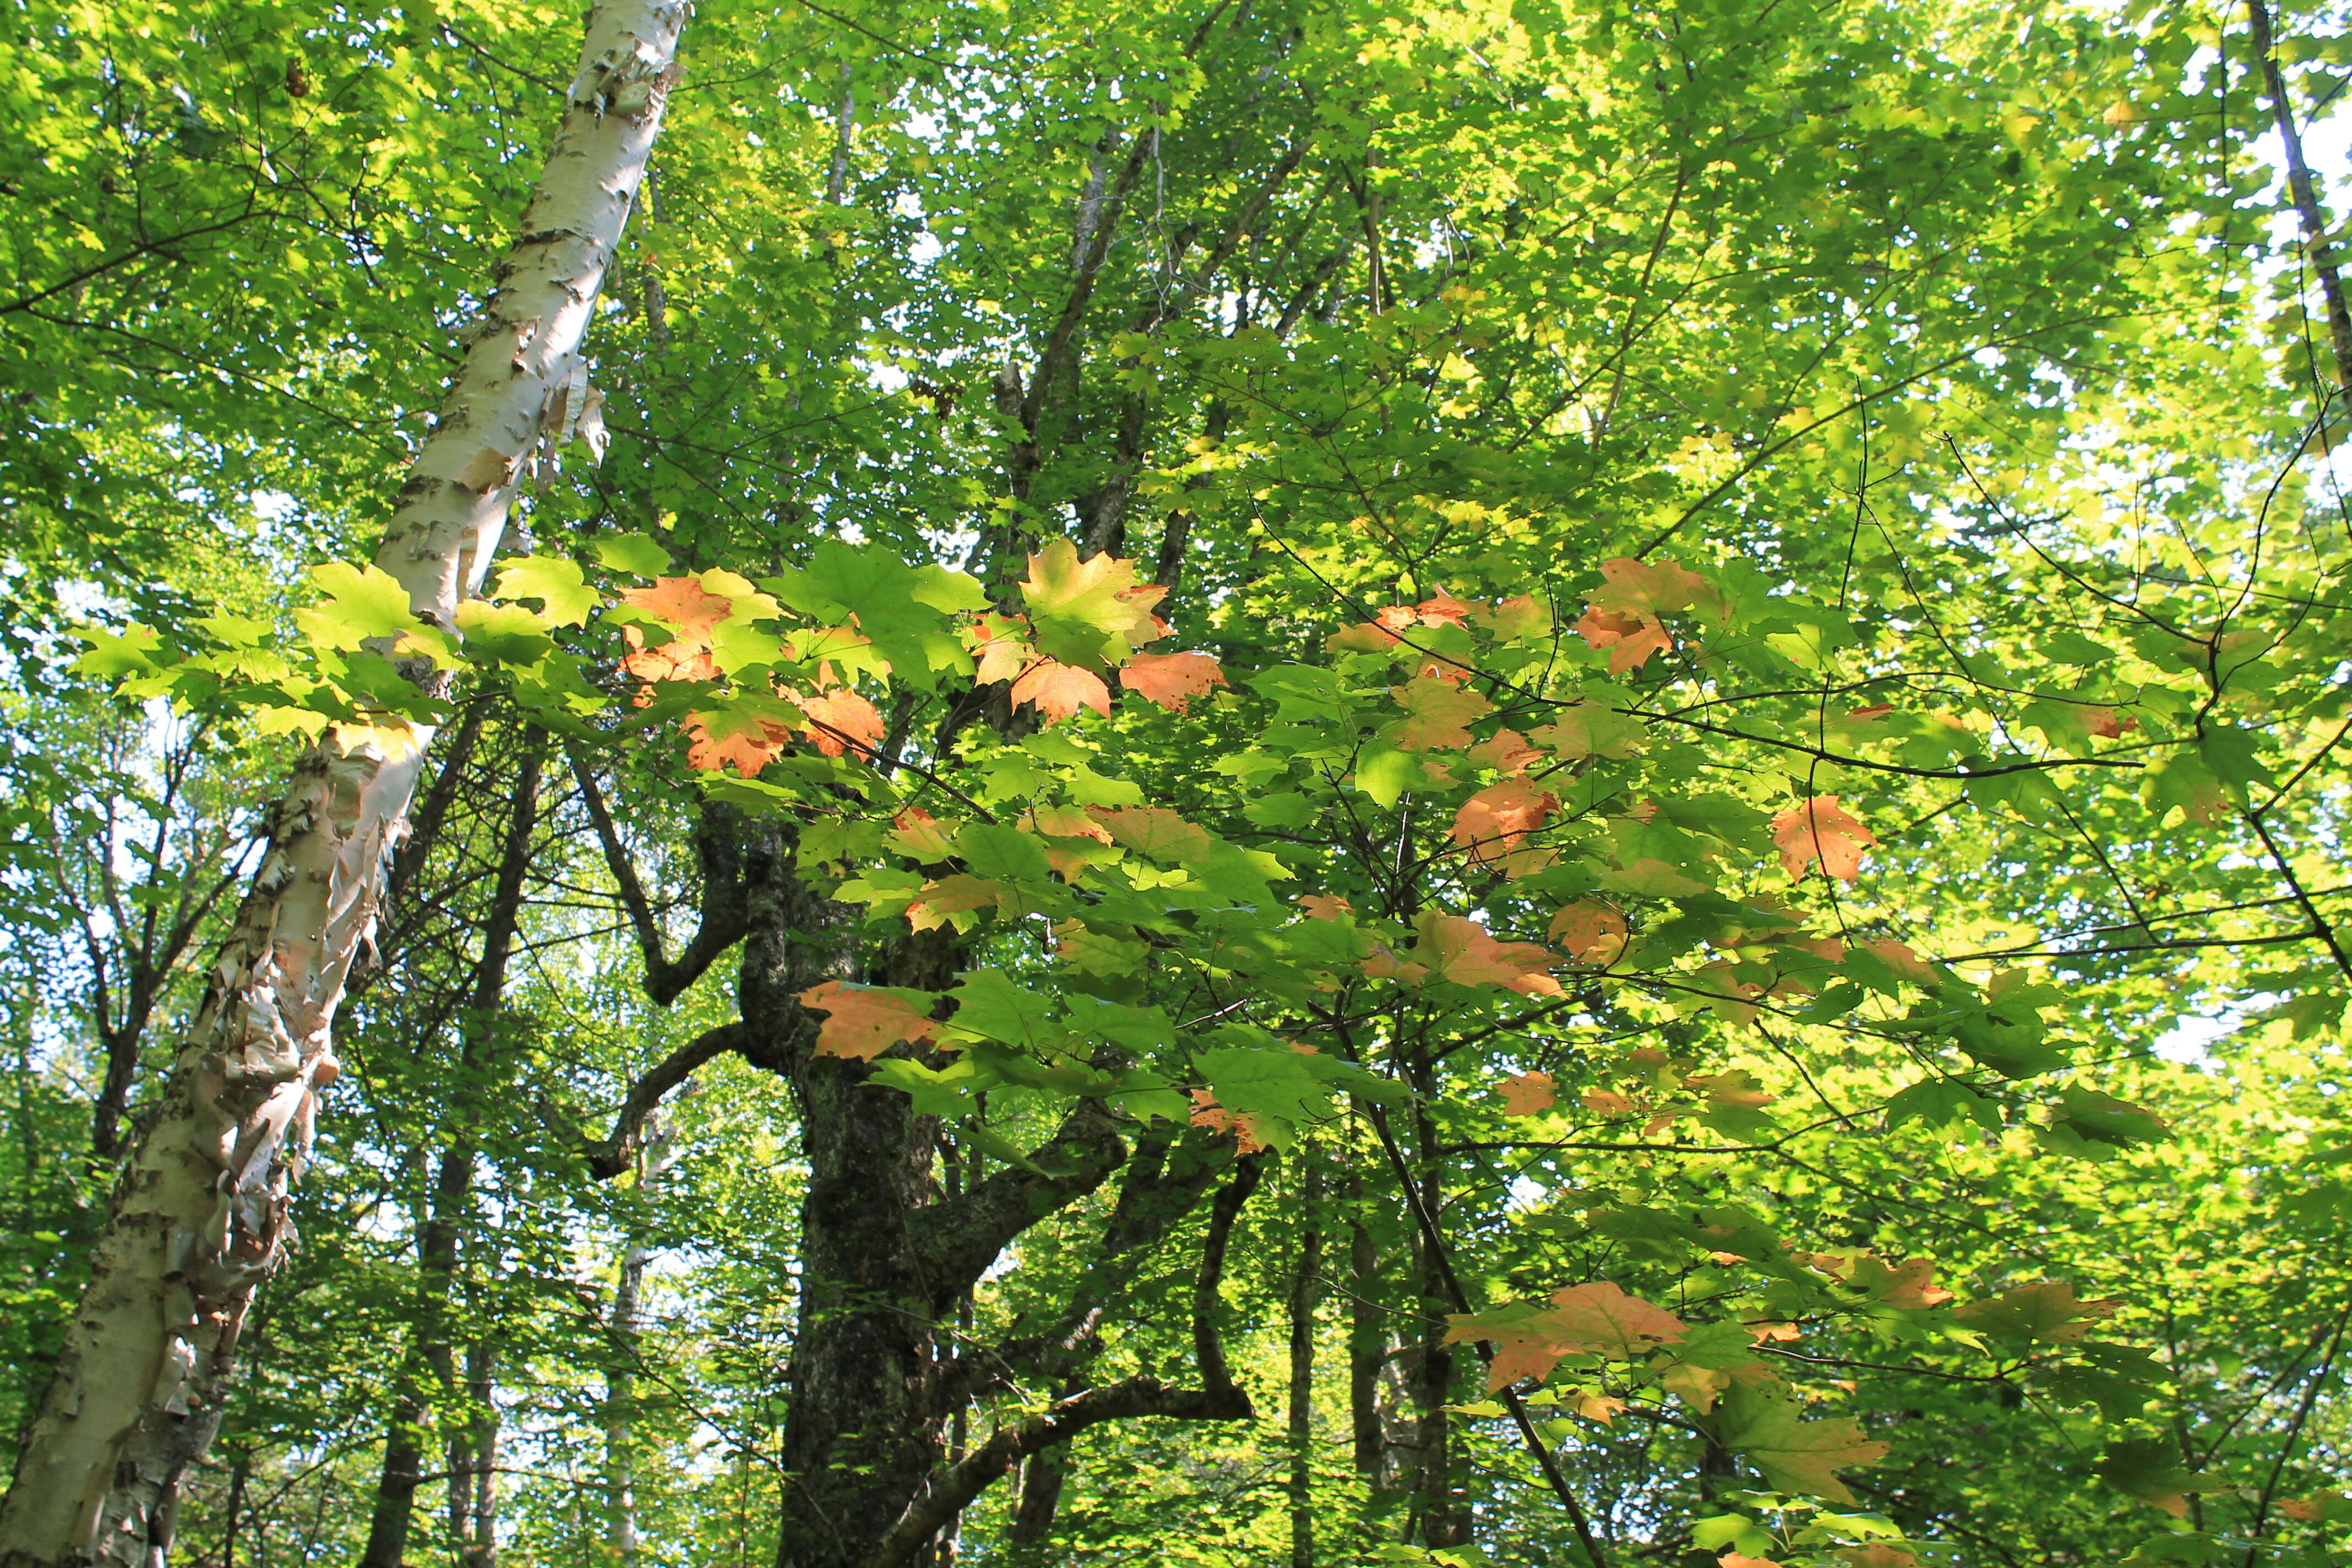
(611, 1156)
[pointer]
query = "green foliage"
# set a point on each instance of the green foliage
(1756, 728)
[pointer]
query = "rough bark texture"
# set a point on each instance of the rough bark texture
(200, 1214)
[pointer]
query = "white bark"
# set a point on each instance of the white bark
(200, 1216)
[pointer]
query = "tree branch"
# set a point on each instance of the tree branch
(611, 1156)
(1008, 1445)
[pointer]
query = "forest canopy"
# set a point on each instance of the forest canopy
(1243, 784)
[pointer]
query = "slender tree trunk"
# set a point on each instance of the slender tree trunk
(657, 1152)
(200, 1215)
(2305, 194)
(1041, 1497)
(476, 1506)
(1305, 1291)
(439, 1238)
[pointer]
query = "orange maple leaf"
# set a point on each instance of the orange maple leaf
(840, 720)
(1908, 1284)
(1630, 639)
(1820, 829)
(681, 604)
(1247, 1126)
(1467, 952)
(1596, 1319)
(1170, 679)
(1506, 751)
(737, 740)
(684, 660)
(918, 832)
(1632, 587)
(1499, 816)
(1065, 822)
(1059, 691)
(1323, 907)
(1527, 1093)
(1592, 930)
(1436, 711)
(1004, 647)
(1442, 608)
(956, 895)
(1608, 1102)
(860, 1023)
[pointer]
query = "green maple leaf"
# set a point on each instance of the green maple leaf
(552, 580)
(361, 605)
(2151, 1469)
(1764, 1422)
(1091, 612)
(905, 610)
(632, 554)
(991, 1006)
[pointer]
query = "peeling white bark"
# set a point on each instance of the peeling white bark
(200, 1216)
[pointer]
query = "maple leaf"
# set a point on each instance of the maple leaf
(1322, 907)
(1698, 1386)
(1506, 751)
(1763, 1420)
(1528, 1094)
(2047, 1314)
(1170, 679)
(1592, 930)
(681, 604)
(1465, 952)
(1499, 816)
(1630, 639)
(727, 739)
(1155, 831)
(1516, 617)
(1820, 829)
(1004, 651)
(1591, 730)
(1608, 1102)
(1907, 1284)
(1248, 1126)
(1384, 964)
(1906, 964)
(1366, 636)
(918, 832)
(1599, 1318)
(1739, 1560)
(840, 720)
(948, 896)
(1878, 1554)
(1065, 822)
(2150, 1469)
(1444, 609)
(1632, 587)
(1059, 691)
(862, 1022)
(1437, 710)
(1090, 611)
(2317, 1505)
(680, 660)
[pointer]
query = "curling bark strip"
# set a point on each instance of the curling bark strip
(200, 1216)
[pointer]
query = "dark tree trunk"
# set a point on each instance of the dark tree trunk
(1305, 1291)
(432, 1371)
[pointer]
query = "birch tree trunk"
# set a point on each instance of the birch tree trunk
(200, 1215)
